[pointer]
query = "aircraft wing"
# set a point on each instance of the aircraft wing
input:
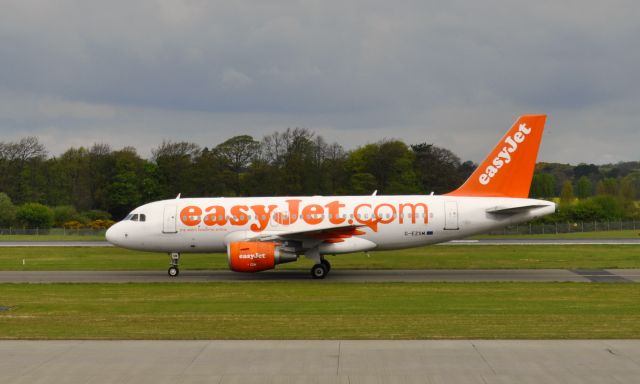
(328, 233)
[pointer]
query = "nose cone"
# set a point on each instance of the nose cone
(113, 234)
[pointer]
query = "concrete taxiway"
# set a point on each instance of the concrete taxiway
(435, 361)
(336, 275)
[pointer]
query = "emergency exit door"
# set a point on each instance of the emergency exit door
(451, 215)
(169, 222)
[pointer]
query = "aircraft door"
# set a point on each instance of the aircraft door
(169, 222)
(451, 215)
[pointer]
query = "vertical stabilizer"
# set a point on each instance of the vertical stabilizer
(508, 170)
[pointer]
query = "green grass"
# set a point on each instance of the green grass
(52, 237)
(320, 310)
(431, 257)
(624, 234)
(57, 235)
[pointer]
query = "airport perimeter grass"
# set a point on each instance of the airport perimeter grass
(53, 237)
(321, 310)
(623, 234)
(431, 257)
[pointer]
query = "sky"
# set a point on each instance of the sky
(452, 73)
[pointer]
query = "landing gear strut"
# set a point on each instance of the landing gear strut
(321, 267)
(173, 269)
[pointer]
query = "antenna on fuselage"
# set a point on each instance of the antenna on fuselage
(177, 197)
(375, 193)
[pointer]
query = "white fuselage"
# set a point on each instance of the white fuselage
(388, 222)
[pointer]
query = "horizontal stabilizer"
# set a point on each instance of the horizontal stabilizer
(507, 210)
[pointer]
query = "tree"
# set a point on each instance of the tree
(7, 210)
(101, 169)
(291, 154)
(438, 169)
(236, 155)
(607, 187)
(238, 152)
(584, 187)
(627, 189)
(543, 186)
(34, 215)
(566, 195)
(124, 191)
(22, 171)
(175, 167)
(75, 178)
(390, 162)
(586, 170)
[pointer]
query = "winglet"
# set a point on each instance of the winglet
(508, 170)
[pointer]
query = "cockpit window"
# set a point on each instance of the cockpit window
(135, 217)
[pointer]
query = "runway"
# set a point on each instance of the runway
(453, 242)
(305, 361)
(336, 275)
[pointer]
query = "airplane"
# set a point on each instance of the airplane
(258, 233)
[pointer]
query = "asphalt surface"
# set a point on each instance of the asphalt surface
(303, 361)
(454, 242)
(336, 275)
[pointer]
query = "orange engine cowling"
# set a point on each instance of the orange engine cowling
(256, 256)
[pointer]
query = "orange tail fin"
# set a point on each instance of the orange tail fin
(508, 170)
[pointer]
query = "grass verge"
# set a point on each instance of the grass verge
(432, 257)
(624, 234)
(54, 237)
(317, 310)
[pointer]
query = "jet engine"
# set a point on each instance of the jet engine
(258, 256)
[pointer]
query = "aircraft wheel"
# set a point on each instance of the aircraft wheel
(326, 264)
(173, 271)
(319, 271)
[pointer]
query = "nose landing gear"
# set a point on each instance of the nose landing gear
(173, 269)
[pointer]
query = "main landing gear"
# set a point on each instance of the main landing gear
(320, 271)
(321, 267)
(173, 269)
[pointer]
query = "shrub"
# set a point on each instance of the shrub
(34, 215)
(63, 214)
(96, 214)
(101, 224)
(7, 210)
(72, 224)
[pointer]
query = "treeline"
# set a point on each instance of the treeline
(589, 192)
(291, 162)
(86, 186)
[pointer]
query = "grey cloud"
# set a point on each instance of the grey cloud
(456, 73)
